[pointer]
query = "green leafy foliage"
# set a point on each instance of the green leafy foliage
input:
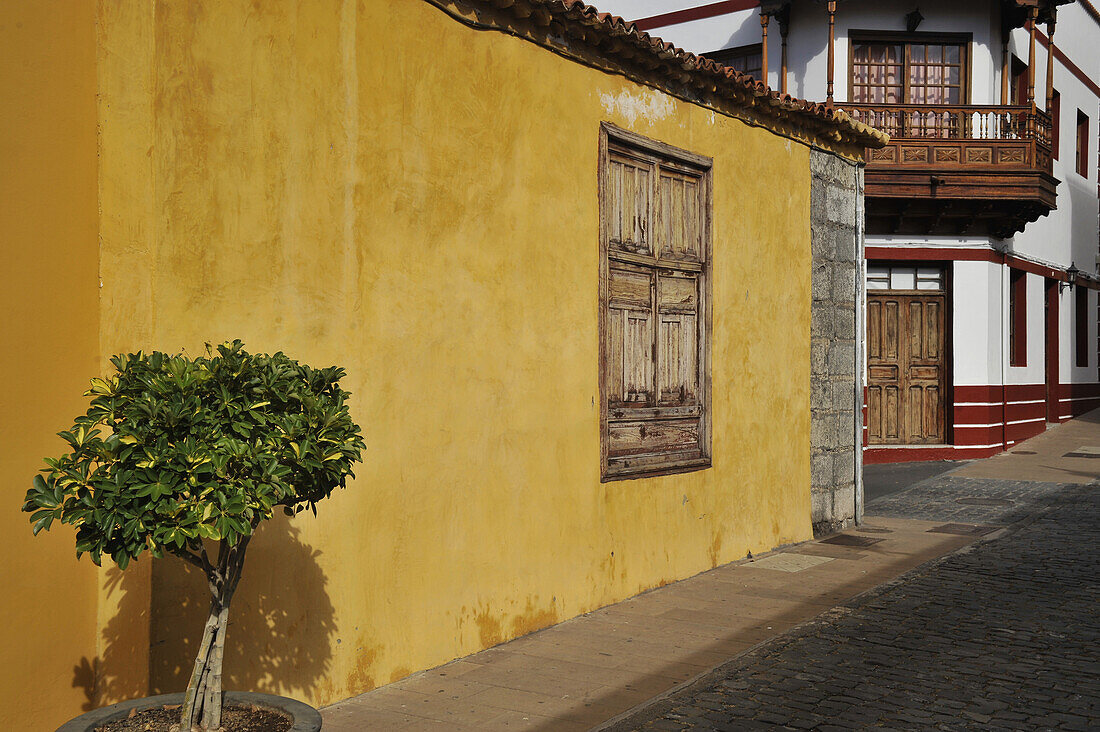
(174, 450)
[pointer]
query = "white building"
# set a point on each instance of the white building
(981, 215)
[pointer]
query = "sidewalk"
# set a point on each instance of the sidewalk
(1068, 453)
(589, 670)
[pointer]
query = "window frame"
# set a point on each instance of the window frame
(1081, 326)
(1081, 163)
(725, 55)
(1017, 320)
(621, 141)
(964, 40)
(1017, 89)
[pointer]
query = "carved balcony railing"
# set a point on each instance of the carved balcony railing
(1017, 135)
(957, 168)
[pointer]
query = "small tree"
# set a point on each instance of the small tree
(195, 453)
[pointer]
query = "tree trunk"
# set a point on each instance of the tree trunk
(202, 706)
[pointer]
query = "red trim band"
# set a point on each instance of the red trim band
(950, 254)
(980, 416)
(688, 14)
(881, 455)
(1091, 9)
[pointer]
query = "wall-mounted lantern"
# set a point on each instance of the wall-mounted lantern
(1071, 277)
(912, 20)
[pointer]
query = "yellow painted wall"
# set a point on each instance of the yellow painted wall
(49, 329)
(377, 186)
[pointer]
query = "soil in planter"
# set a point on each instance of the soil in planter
(235, 718)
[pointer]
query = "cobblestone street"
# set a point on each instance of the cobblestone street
(1000, 635)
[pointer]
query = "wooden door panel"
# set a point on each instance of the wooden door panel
(933, 322)
(883, 402)
(885, 409)
(924, 368)
(874, 330)
(890, 330)
(905, 366)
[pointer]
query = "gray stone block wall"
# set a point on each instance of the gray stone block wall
(836, 389)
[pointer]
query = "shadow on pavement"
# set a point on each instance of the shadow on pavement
(882, 480)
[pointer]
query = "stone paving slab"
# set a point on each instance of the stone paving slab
(951, 498)
(1001, 635)
(591, 669)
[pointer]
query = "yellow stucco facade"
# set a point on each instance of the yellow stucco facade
(49, 301)
(378, 186)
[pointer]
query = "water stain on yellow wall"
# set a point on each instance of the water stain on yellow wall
(534, 618)
(489, 629)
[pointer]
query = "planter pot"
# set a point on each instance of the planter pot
(306, 718)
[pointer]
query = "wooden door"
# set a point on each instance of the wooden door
(905, 363)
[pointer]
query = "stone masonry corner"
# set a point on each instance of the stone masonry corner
(836, 231)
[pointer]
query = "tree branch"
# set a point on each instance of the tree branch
(194, 559)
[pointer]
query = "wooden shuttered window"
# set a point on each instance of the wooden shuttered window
(654, 313)
(1017, 318)
(1082, 144)
(1081, 323)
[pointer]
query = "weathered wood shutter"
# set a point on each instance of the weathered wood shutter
(654, 356)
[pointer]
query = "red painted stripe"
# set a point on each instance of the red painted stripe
(949, 254)
(940, 254)
(1078, 391)
(698, 13)
(978, 436)
(1021, 432)
(1091, 10)
(1026, 392)
(978, 425)
(1070, 66)
(992, 414)
(977, 415)
(1017, 412)
(991, 394)
(882, 455)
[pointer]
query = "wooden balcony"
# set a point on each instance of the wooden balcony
(957, 170)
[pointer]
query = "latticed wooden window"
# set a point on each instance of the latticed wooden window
(908, 72)
(912, 71)
(878, 73)
(935, 73)
(654, 353)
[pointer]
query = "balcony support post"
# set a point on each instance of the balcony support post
(830, 8)
(1050, 65)
(784, 19)
(1006, 75)
(764, 18)
(1033, 22)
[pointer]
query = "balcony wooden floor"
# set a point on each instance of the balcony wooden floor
(957, 170)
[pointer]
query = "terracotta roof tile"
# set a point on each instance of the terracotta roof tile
(584, 21)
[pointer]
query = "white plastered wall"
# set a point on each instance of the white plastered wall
(979, 340)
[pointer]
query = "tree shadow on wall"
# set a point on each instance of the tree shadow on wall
(281, 622)
(113, 677)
